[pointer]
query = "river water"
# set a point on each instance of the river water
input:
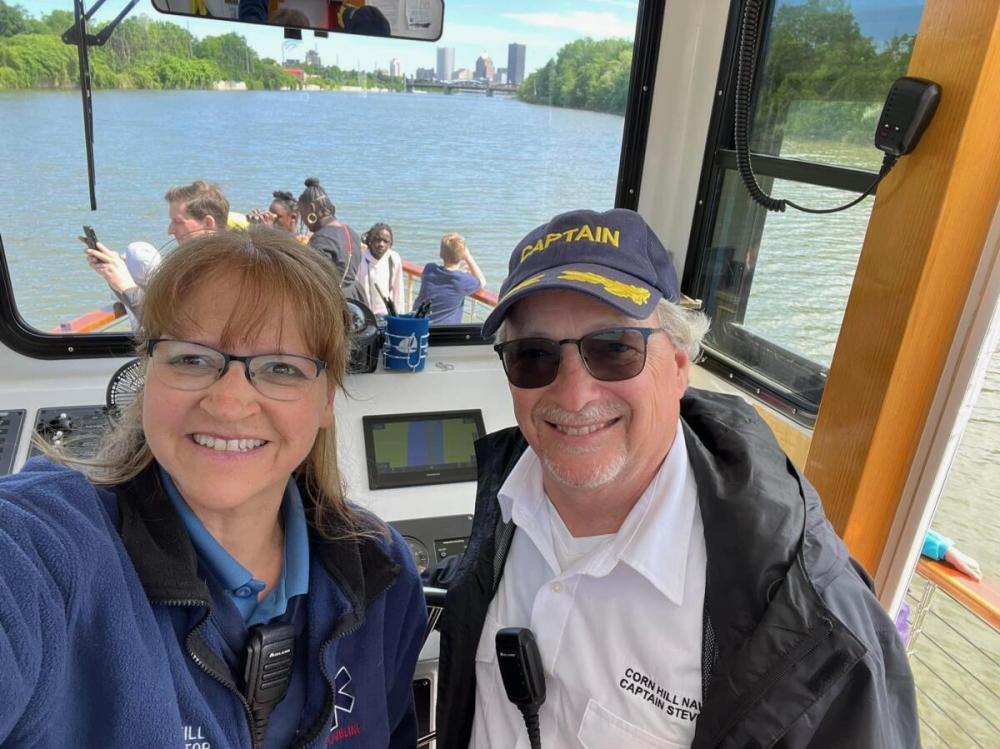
(488, 168)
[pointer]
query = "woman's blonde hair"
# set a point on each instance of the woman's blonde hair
(274, 274)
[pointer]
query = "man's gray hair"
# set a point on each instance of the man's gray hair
(685, 327)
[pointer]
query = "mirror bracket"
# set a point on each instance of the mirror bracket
(73, 33)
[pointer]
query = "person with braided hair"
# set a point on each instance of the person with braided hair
(335, 239)
(283, 212)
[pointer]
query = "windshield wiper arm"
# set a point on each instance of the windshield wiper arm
(77, 35)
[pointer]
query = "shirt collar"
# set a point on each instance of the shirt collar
(657, 532)
(654, 537)
(233, 576)
(522, 499)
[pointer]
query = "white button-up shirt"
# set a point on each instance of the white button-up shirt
(619, 631)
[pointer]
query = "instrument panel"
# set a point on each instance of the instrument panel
(10, 434)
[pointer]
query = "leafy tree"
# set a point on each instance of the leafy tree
(822, 77)
(56, 22)
(38, 60)
(231, 52)
(13, 19)
(586, 74)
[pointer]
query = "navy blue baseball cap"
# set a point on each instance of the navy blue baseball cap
(612, 256)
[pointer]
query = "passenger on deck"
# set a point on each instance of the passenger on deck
(678, 573)
(335, 239)
(283, 212)
(141, 259)
(195, 209)
(380, 274)
(445, 286)
(155, 597)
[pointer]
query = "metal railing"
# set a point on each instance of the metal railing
(477, 306)
(954, 651)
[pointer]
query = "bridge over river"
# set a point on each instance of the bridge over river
(454, 87)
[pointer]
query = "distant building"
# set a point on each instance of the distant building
(501, 76)
(484, 68)
(425, 74)
(462, 74)
(297, 72)
(515, 63)
(395, 68)
(445, 63)
(292, 61)
(312, 58)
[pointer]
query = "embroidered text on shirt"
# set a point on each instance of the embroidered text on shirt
(673, 705)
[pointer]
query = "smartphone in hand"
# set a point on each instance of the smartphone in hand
(91, 236)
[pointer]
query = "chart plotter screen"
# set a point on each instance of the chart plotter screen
(422, 448)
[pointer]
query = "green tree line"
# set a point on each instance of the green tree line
(585, 74)
(141, 53)
(823, 78)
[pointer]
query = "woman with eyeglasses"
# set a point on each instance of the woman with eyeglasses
(203, 581)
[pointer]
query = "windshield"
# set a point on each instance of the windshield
(514, 115)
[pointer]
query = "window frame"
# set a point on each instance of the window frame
(720, 159)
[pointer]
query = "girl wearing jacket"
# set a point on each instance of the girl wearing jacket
(203, 582)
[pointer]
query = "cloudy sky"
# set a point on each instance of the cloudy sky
(470, 26)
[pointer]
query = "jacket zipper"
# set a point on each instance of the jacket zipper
(204, 666)
(330, 705)
(822, 630)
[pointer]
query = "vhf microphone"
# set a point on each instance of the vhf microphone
(523, 676)
(267, 671)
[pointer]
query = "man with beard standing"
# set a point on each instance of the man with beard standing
(676, 570)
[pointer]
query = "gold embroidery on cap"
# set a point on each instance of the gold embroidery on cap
(597, 235)
(525, 283)
(635, 294)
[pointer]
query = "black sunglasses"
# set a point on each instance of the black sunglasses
(609, 355)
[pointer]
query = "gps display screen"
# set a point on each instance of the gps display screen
(423, 448)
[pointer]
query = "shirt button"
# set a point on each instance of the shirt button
(244, 591)
(557, 587)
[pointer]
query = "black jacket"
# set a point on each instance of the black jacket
(342, 245)
(797, 650)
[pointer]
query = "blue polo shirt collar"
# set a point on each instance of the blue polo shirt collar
(238, 582)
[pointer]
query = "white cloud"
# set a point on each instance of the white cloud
(596, 24)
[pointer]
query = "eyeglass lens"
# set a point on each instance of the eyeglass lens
(609, 355)
(190, 366)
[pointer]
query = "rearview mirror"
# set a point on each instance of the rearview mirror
(400, 19)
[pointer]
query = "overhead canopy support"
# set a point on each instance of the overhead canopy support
(927, 233)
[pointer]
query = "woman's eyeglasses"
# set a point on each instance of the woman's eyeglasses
(609, 355)
(184, 365)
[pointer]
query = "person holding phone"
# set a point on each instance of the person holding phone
(195, 209)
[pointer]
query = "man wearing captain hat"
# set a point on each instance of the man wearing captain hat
(676, 570)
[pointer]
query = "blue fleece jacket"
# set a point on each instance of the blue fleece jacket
(108, 636)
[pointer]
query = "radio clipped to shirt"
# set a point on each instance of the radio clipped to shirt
(267, 671)
(523, 676)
